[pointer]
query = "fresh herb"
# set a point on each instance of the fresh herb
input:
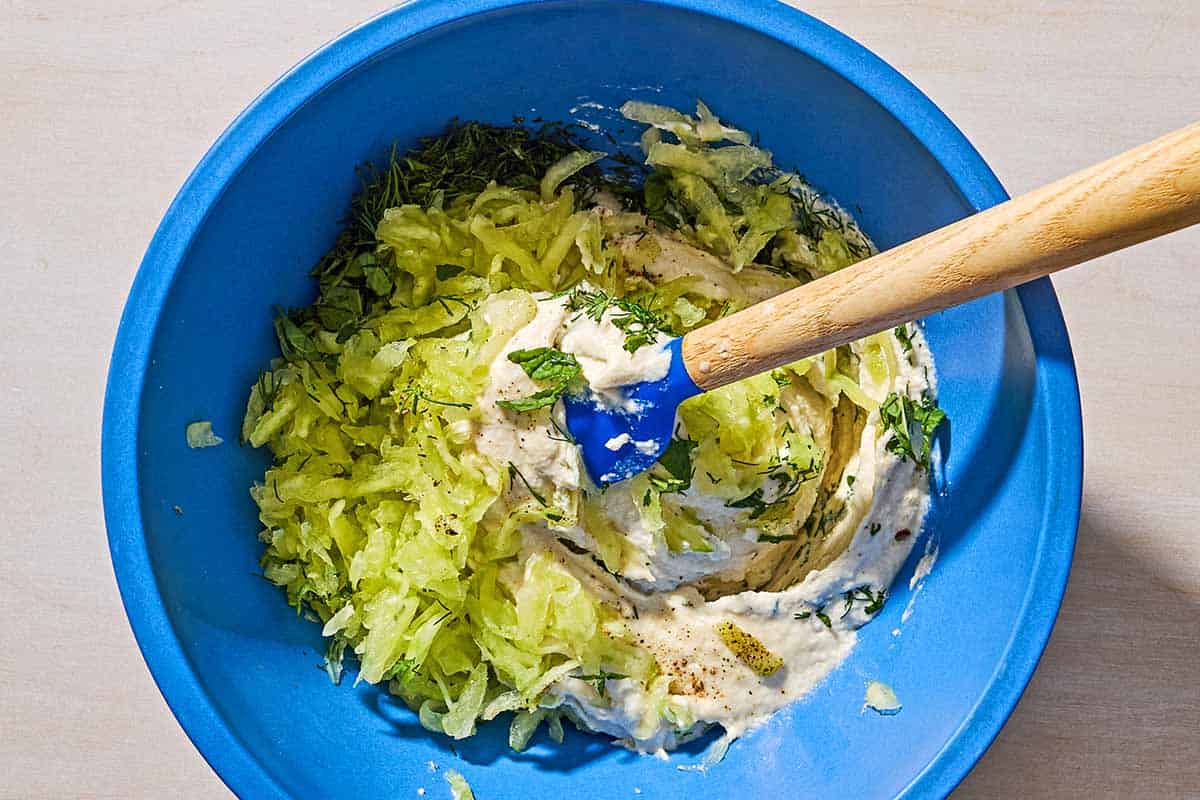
(445, 272)
(753, 501)
(543, 398)
(356, 280)
(902, 335)
(574, 548)
(874, 528)
(563, 435)
(294, 343)
(545, 365)
(789, 476)
(444, 300)
(513, 472)
(632, 316)
(593, 304)
(268, 388)
(598, 680)
(413, 395)
(465, 158)
(660, 205)
(400, 671)
(813, 220)
(551, 513)
(676, 462)
(850, 481)
(640, 325)
(818, 613)
(781, 378)
(774, 539)
(825, 514)
(912, 425)
(872, 601)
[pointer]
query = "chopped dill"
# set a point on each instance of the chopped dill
(513, 472)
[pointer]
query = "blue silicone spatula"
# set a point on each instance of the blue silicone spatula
(1143, 193)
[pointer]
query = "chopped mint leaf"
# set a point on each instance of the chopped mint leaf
(294, 343)
(543, 364)
(818, 613)
(676, 460)
(540, 399)
(546, 364)
(912, 425)
(447, 271)
(872, 601)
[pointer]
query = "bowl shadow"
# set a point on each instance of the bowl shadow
(490, 744)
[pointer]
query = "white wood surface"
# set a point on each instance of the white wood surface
(105, 107)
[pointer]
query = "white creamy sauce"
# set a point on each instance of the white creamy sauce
(924, 565)
(608, 367)
(617, 442)
(666, 599)
(920, 573)
(645, 446)
(528, 441)
(679, 626)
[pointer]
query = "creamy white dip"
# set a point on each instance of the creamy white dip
(790, 594)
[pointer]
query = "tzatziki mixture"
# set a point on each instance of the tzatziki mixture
(427, 503)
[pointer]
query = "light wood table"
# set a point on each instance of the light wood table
(105, 107)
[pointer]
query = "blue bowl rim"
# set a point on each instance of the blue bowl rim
(176, 677)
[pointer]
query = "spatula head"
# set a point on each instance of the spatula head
(618, 443)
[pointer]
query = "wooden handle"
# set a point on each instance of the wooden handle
(1146, 192)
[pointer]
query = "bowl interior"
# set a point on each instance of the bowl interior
(263, 712)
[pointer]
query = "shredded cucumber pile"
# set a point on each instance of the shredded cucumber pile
(378, 512)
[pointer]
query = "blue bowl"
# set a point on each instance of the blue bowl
(238, 667)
